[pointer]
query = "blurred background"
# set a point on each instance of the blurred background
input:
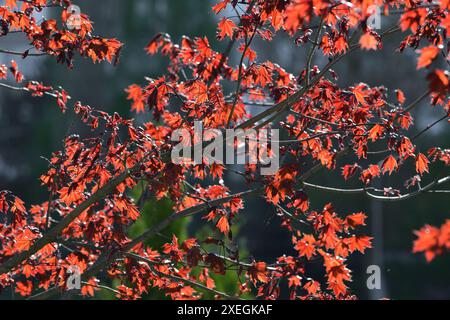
(33, 127)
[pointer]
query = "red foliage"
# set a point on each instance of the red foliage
(433, 241)
(90, 179)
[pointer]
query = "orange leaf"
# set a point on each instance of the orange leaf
(24, 288)
(389, 164)
(136, 94)
(400, 96)
(312, 287)
(427, 241)
(223, 225)
(277, 19)
(198, 91)
(220, 6)
(11, 3)
(294, 281)
(226, 27)
(18, 203)
(427, 55)
(24, 240)
(368, 42)
(376, 132)
(257, 272)
(306, 246)
(360, 243)
(359, 94)
(357, 219)
(422, 163)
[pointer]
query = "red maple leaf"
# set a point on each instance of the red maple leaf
(226, 28)
(427, 55)
(389, 164)
(422, 163)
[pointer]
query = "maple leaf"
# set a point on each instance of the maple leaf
(357, 219)
(198, 91)
(405, 148)
(282, 185)
(338, 287)
(405, 120)
(11, 3)
(297, 13)
(136, 94)
(389, 164)
(412, 19)
(223, 225)
(204, 277)
(157, 41)
(220, 6)
(217, 264)
(89, 288)
(226, 27)
(359, 94)
(4, 206)
(341, 45)
(276, 19)
(19, 205)
(376, 132)
(294, 281)
(444, 237)
(257, 272)
(312, 287)
(306, 246)
(18, 76)
(70, 194)
(368, 41)
(349, 170)
(427, 55)
(193, 256)
(422, 163)
(263, 75)
(400, 96)
(427, 241)
(3, 71)
(438, 82)
(28, 270)
(300, 202)
(337, 273)
(24, 288)
(360, 243)
(189, 243)
(24, 240)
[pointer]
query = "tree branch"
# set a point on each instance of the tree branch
(17, 53)
(425, 189)
(53, 233)
(106, 256)
(176, 278)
